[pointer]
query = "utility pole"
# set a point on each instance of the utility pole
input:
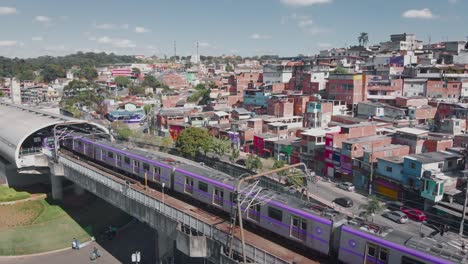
(462, 223)
(371, 169)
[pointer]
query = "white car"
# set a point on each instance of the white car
(346, 186)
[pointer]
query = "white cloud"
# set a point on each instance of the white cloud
(116, 42)
(43, 19)
(258, 36)
(37, 38)
(304, 2)
(141, 30)
(424, 13)
(8, 43)
(5, 10)
(306, 24)
(125, 26)
(105, 26)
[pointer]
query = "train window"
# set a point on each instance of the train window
(383, 255)
(127, 160)
(298, 228)
(232, 198)
(188, 186)
(80, 143)
(110, 155)
(275, 213)
(203, 186)
(370, 250)
(146, 167)
(408, 260)
(254, 213)
(157, 174)
(136, 166)
(218, 197)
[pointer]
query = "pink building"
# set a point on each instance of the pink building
(350, 88)
(126, 72)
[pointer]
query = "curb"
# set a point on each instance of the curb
(82, 245)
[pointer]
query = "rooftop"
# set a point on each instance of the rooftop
(365, 139)
(413, 131)
(320, 132)
(433, 157)
(393, 159)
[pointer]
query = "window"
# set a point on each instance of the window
(110, 155)
(275, 214)
(440, 165)
(119, 160)
(157, 174)
(136, 166)
(203, 186)
(188, 186)
(408, 260)
(218, 197)
(383, 255)
(127, 160)
(426, 185)
(450, 163)
(298, 228)
(413, 165)
(370, 250)
(388, 169)
(254, 213)
(146, 167)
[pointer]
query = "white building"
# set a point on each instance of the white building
(414, 87)
(276, 73)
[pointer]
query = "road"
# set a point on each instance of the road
(329, 192)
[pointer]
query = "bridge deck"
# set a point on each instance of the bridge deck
(209, 218)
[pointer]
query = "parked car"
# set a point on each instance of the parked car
(346, 186)
(415, 214)
(344, 201)
(396, 216)
(395, 206)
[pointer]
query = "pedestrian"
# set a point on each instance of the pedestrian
(77, 244)
(74, 243)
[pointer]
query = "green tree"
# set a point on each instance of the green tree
(340, 70)
(136, 72)
(122, 81)
(229, 68)
(279, 164)
(122, 130)
(151, 81)
(167, 142)
(51, 72)
(27, 75)
(136, 89)
(2, 94)
(372, 207)
(234, 154)
(147, 109)
(253, 163)
(221, 146)
(194, 140)
(87, 72)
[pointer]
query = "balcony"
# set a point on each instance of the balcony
(381, 97)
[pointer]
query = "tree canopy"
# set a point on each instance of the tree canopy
(340, 70)
(88, 73)
(253, 163)
(51, 72)
(122, 81)
(194, 140)
(372, 207)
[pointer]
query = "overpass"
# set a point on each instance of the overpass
(192, 231)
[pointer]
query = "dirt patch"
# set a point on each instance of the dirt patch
(19, 214)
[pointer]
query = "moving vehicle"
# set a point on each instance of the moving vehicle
(344, 201)
(415, 214)
(396, 216)
(395, 206)
(346, 186)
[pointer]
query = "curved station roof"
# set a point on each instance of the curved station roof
(22, 130)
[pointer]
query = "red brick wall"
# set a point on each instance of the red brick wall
(435, 89)
(432, 145)
(425, 113)
(405, 102)
(401, 151)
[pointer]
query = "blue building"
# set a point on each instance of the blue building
(256, 97)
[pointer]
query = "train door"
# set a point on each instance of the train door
(375, 254)
(172, 175)
(298, 228)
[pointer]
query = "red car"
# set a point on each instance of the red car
(415, 214)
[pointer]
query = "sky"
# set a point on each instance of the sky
(31, 28)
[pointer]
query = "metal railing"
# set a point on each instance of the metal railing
(252, 252)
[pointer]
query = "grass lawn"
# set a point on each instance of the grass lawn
(8, 194)
(43, 227)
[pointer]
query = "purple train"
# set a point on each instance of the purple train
(324, 231)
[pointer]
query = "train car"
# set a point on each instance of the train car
(369, 243)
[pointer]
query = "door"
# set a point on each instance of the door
(330, 171)
(390, 193)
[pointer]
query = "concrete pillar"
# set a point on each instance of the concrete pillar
(3, 172)
(56, 178)
(164, 248)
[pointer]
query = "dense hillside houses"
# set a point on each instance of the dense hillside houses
(391, 117)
